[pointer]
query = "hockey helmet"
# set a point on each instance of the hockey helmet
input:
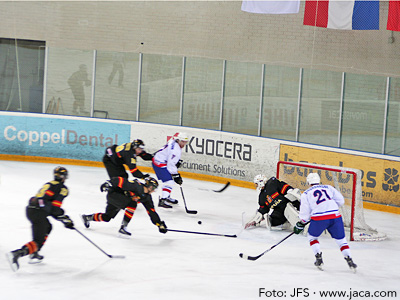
(313, 178)
(150, 182)
(259, 181)
(182, 136)
(138, 144)
(60, 173)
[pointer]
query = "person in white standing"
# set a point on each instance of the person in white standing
(166, 162)
(319, 205)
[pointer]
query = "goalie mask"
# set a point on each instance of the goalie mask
(60, 174)
(313, 178)
(260, 181)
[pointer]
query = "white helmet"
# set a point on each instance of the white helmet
(182, 136)
(260, 180)
(313, 178)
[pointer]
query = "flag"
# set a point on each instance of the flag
(393, 22)
(271, 7)
(339, 14)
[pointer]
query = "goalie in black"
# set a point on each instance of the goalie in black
(279, 203)
(125, 194)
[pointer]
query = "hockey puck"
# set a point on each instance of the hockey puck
(199, 222)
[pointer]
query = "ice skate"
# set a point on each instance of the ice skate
(13, 257)
(171, 200)
(319, 262)
(351, 264)
(86, 220)
(123, 231)
(35, 258)
(162, 203)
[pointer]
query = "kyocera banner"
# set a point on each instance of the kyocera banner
(215, 153)
(34, 135)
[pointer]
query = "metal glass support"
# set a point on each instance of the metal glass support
(182, 91)
(385, 114)
(299, 104)
(46, 61)
(93, 83)
(222, 95)
(139, 87)
(261, 99)
(341, 110)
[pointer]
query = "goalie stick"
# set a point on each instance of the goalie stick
(109, 255)
(205, 233)
(193, 212)
(218, 191)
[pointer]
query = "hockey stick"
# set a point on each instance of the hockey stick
(258, 256)
(220, 190)
(193, 212)
(205, 233)
(109, 255)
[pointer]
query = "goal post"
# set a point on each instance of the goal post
(345, 180)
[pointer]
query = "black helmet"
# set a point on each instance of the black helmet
(60, 173)
(138, 144)
(151, 182)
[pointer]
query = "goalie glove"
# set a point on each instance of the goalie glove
(177, 178)
(106, 186)
(255, 221)
(293, 195)
(66, 220)
(299, 227)
(162, 227)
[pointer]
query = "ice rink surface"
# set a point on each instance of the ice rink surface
(178, 265)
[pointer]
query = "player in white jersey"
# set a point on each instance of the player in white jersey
(165, 164)
(319, 205)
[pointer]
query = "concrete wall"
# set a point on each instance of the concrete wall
(214, 29)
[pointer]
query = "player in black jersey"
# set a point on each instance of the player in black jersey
(278, 203)
(117, 156)
(47, 202)
(125, 194)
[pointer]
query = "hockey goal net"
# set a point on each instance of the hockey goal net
(345, 180)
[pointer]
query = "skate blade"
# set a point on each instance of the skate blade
(34, 261)
(10, 258)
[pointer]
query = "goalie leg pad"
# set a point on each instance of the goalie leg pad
(291, 214)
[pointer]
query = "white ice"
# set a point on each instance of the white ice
(177, 265)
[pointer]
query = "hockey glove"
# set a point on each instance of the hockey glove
(179, 163)
(299, 227)
(106, 186)
(162, 227)
(177, 178)
(255, 221)
(66, 220)
(293, 195)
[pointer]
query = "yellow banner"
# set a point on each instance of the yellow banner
(380, 180)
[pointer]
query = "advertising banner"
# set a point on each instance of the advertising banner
(72, 138)
(380, 180)
(215, 153)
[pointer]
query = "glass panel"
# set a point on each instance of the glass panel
(202, 93)
(320, 107)
(160, 93)
(116, 85)
(242, 97)
(363, 112)
(281, 89)
(393, 119)
(21, 76)
(69, 74)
